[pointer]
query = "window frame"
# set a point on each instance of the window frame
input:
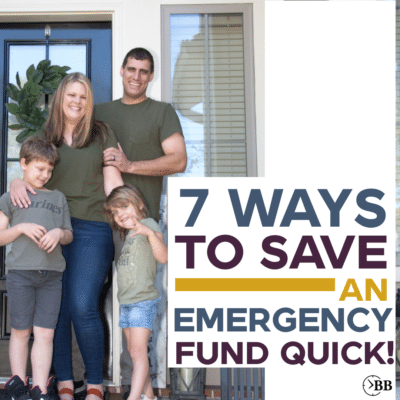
(249, 77)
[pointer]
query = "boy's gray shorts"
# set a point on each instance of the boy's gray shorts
(34, 298)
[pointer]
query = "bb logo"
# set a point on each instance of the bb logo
(373, 385)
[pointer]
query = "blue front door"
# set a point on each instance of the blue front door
(86, 48)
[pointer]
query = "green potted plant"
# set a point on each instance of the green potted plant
(42, 80)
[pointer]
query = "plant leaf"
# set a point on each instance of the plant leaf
(29, 72)
(37, 76)
(43, 65)
(24, 134)
(13, 108)
(15, 127)
(18, 81)
(12, 91)
(64, 69)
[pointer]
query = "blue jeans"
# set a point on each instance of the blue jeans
(88, 258)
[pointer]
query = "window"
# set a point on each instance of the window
(208, 77)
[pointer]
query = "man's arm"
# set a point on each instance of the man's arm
(173, 161)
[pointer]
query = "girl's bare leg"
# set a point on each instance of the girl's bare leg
(137, 340)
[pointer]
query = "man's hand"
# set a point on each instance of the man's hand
(33, 231)
(49, 241)
(19, 193)
(174, 159)
(116, 158)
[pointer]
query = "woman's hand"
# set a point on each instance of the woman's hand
(19, 193)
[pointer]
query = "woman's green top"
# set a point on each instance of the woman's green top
(79, 176)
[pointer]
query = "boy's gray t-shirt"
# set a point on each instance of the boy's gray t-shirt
(48, 209)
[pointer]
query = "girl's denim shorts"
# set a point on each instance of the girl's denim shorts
(139, 315)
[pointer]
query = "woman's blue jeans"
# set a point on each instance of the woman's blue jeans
(88, 259)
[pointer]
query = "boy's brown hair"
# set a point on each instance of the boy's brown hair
(38, 149)
(122, 196)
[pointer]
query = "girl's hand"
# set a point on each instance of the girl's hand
(141, 229)
(19, 193)
(156, 240)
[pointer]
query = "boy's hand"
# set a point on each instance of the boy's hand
(19, 193)
(50, 240)
(33, 231)
(141, 229)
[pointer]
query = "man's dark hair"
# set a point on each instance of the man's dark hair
(139, 53)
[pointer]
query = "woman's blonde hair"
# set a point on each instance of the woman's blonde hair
(87, 129)
(122, 196)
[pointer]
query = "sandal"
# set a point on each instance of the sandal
(95, 392)
(66, 390)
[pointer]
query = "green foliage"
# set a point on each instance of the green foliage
(44, 79)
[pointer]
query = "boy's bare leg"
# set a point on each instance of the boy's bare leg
(18, 351)
(137, 340)
(41, 356)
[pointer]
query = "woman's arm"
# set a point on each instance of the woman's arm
(19, 193)
(112, 179)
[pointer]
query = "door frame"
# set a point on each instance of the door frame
(79, 12)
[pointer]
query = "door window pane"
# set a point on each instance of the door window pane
(20, 58)
(72, 55)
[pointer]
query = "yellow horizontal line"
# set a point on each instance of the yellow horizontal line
(254, 285)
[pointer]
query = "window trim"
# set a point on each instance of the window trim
(249, 84)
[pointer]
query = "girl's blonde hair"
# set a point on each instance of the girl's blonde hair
(123, 196)
(87, 129)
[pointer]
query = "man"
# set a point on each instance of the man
(149, 133)
(151, 144)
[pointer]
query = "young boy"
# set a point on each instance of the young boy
(34, 269)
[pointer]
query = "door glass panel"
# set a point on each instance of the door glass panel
(13, 171)
(72, 55)
(21, 57)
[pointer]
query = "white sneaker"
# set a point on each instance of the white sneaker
(144, 397)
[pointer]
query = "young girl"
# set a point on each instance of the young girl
(143, 248)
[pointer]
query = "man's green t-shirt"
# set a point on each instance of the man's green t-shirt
(140, 129)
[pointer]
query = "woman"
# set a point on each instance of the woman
(85, 182)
